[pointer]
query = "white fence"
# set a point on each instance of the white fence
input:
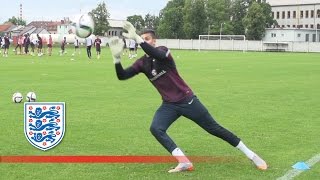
(235, 45)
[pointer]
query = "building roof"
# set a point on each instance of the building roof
(115, 23)
(5, 27)
(291, 2)
(28, 29)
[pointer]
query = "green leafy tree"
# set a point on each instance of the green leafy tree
(254, 22)
(17, 21)
(194, 18)
(171, 20)
(137, 21)
(218, 16)
(238, 12)
(100, 16)
(151, 22)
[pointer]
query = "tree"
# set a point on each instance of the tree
(137, 21)
(238, 12)
(217, 13)
(254, 22)
(151, 22)
(267, 11)
(171, 20)
(194, 18)
(17, 21)
(100, 16)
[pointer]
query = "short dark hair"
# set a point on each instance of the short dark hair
(149, 31)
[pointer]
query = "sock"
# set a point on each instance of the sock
(242, 147)
(179, 155)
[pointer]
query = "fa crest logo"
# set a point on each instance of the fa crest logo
(154, 72)
(44, 123)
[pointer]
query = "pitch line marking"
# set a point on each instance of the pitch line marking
(294, 172)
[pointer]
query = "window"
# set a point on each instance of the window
(283, 14)
(307, 14)
(278, 15)
(306, 26)
(288, 26)
(314, 37)
(282, 26)
(299, 35)
(273, 35)
(294, 26)
(301, 14)
(307, 37)
(294, 14)
(289, 15)
(312, 14)
(318, 13)
(272, 14)
(311, 26)
(115, 33)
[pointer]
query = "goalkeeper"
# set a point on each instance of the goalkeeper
(178, 99)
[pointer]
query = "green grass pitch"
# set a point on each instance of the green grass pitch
(270, 100)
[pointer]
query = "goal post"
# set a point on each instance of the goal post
(222, 42)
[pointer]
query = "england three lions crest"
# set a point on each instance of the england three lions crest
(44, 123)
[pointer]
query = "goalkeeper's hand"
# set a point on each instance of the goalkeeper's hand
(116, 47)
(131, 32)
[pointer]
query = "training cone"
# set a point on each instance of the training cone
(301, 166)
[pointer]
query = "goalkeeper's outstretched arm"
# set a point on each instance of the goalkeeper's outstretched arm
(154, 52)
(124, 74)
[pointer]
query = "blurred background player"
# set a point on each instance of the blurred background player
(89, 45)
(26, 43)
(33, 44)
(49, 43)
(0, 45)
(97, 44)
(76, 46)
(125, 50)
(132, 46)
(63, 44)
(40, 42)
(6, 41)
(19, 45)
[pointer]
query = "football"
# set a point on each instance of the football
(31, 97)
(17, 97)
(84, 25)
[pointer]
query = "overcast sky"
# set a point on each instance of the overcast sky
(57, 9)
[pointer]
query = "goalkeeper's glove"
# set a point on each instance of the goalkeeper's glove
(116, 47)
(131, 32)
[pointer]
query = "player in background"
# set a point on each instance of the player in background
(26, 43)
(0, 45)
(125, 51)
(132, 46)
(76, 46)
(33, 44)
(178, 99)
(97, 44)
(40, 42)
(63, 44)
(49, 44)
(6, 41)
(19, 45)
(89, 45)
(136, 49)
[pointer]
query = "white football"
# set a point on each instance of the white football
(31, 97)
(17, 97)
(84, 25)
